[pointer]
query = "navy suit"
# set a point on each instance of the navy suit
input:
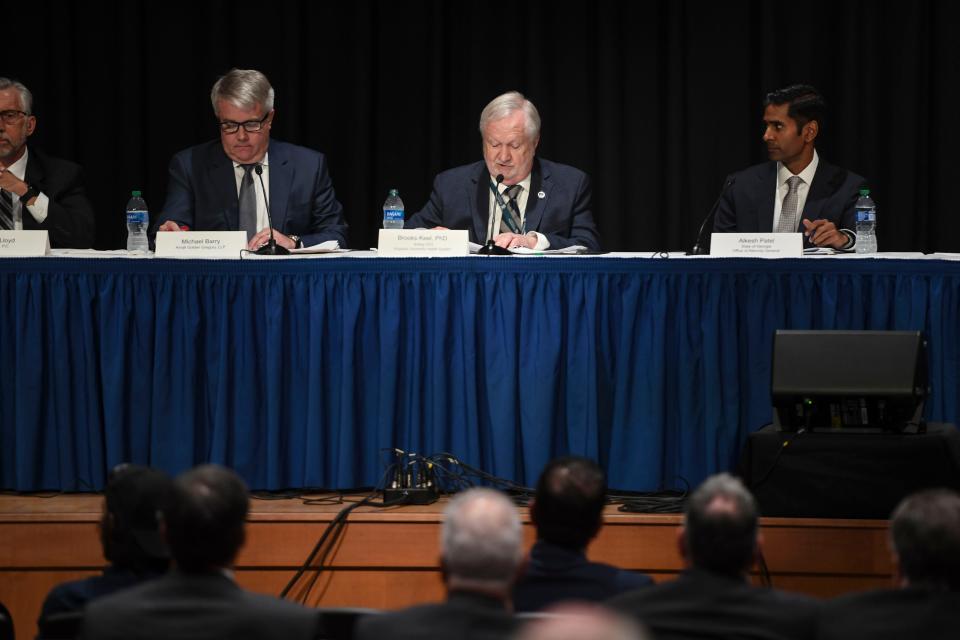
(202, 192)
(70, 221)
(461, 200)
(556, 574)
(746, 205)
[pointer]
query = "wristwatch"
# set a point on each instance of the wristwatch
(297, 242)
(32, 192)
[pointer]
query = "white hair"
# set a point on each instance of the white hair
(504, 105)
(26, 98)
(481, 539)
(243, 88)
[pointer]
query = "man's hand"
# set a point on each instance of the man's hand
(824, 233)
(169, 225)
(263, 236)
(514, 240)
(11, 183)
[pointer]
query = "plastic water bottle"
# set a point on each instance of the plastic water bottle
(393, 211)
(138, 219)
(866, 223)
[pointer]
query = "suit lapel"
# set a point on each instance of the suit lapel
(480, 199)
(223, 181)
(33, 175)
(281, 181)
(539, 180)
(826, 181)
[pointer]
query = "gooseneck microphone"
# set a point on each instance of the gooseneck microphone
(271, 248)
(700, 248)
(491, 248)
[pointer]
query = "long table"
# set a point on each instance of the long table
(309, 373)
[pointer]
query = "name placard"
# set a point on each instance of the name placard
(423, 243)
(201, 245)
(756, 245)
(24, 244)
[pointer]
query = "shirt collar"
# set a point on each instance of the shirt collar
(783, 174)
(265, 162)
(525, 183)
(19, 168)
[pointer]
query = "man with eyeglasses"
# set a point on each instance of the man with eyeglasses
(221, 186)
(37, 191)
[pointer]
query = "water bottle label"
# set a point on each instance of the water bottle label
(866, 215)
(393, 215)
(137, 217)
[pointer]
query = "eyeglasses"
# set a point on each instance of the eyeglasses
(12, 116)
(250, 126)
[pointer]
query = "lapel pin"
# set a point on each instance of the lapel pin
(541, 195)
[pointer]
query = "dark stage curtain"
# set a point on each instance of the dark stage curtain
(658, 101)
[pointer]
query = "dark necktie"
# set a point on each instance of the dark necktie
(788, 212)
(248, 202)
(512, 193)
(6, 211)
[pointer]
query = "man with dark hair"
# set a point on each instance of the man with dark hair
(568, 513)
(481, 550)
(795, 191)
(713, 598)
(130, 537)
(204, 524)
(925, 540)
(37, 191)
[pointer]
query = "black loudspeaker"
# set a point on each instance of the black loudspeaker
(849, 380)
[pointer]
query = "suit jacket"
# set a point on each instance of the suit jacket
(912, 613)
(461, 200)
(746, 206)
(200, 607)
(555, 574)
(75, 594)
(70, 221)
(202, 193)
(703, 605)
(465, 616)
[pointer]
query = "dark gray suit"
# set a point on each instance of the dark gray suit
(461, 200)
(465, 616)
(747, 204)
(199, 607)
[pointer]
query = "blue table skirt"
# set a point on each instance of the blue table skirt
(299, 373)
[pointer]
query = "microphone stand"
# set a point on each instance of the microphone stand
(698, 248)
(491, 248)
(271, 248)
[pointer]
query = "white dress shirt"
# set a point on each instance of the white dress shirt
(39, 207)
(494, 210)
(803, 189)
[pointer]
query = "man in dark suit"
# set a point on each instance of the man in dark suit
(546, 205)
(216, 186)
(198, 599)
(130, 537)
(37, 191)
(568, 514)
(795, 191)
(713, 598)
(925, 536)
(480, 551)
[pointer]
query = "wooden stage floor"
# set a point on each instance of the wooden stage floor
(388, 557)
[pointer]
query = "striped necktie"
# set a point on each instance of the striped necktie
(6, 211)
(512, 193)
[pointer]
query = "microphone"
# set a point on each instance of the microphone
(491, 248)
(271, 248)
(700, 248)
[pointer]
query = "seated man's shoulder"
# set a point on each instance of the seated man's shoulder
(293, 152)
(462, 173)
(563, 172)
(52, 164)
